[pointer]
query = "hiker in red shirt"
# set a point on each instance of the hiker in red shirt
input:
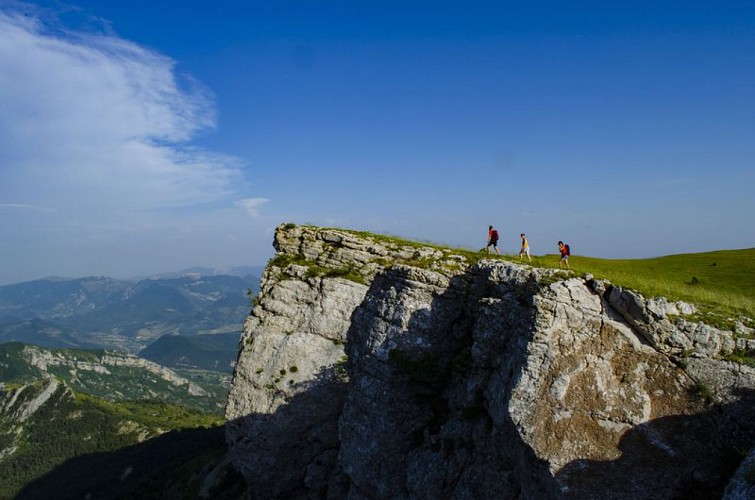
(565, 252)
(492, 240)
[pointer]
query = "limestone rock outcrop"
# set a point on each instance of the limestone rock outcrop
(103, 363)
(372, 368)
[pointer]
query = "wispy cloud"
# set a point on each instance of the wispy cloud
(97, 132)
(22, 206)
(95, 120)
(252, 205)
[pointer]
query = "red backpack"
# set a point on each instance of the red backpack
(568, 250)
(494, 234)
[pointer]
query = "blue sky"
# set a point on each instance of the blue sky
(139, 137)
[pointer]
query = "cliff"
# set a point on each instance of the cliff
(375, 368)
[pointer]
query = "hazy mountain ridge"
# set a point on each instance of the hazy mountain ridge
(239, 271)
(104, 312)
(58, 298)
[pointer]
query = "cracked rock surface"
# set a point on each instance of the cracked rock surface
(492, 380)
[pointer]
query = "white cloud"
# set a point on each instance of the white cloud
(94, 120)
(252, 205)
(98, 174)
(22, 206)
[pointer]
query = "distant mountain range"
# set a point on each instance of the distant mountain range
(102, 312)
(240, 271)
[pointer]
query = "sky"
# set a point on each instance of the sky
(140, 137)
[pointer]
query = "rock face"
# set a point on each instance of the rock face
(376, 369)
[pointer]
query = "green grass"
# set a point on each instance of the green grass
(742, 357)
(315, 270)
(283, 260)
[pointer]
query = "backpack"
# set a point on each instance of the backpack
(568, 250)
(494, 234)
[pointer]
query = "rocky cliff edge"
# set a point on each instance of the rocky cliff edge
(375, 368)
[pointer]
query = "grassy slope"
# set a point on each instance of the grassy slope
(721, 281)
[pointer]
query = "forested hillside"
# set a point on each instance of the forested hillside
(44, 423)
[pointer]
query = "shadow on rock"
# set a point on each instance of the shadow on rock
(415, 423)
(292, 452)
